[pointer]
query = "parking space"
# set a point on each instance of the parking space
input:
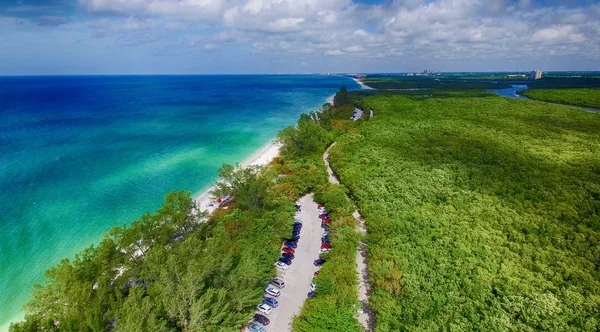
(299, 274)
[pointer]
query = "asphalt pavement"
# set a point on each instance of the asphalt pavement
(299, 275)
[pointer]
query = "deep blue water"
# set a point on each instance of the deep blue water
(82, 154)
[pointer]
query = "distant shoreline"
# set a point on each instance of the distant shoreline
(362, 85)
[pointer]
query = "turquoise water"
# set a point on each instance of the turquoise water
(82, 154)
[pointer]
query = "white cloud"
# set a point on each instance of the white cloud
(453, 30)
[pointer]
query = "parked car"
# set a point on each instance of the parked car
(286, 255)
(291, 244)
(261, 319)
(272, 291)
(297, 221)
(313, 286)
(298, 208)
(321, 206)
(253, 327)
(297, 226)
(324, 250)
(285, 260)
(271, 302)
(311, 294)
(325, 246)
(296, 233)
(281, 266)
(288, 250)
(294, 238)
(316, 273)
(264, 308)
(278, 282)
(319, 262)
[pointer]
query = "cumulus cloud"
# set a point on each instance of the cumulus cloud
(442, 30)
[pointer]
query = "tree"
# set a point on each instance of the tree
(247, 185)
(342, 98)
(305, 139)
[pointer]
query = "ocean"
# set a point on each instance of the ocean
(81, 154)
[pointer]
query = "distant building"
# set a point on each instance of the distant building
(535, 75)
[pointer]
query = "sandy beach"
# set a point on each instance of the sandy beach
(362, 85)
(260, 158)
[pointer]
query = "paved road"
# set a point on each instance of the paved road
(358, 113)
(300, 274)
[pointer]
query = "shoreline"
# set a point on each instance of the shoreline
(260, 157)
(362, 85)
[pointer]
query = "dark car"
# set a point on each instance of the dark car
(294, 238)
(285, 260)
(262, 319)
(318, 262)
(311, 294)
(298, 224)
(286, 255)
(271, 301)
(324, 216)
(296, 234)
(291, 244)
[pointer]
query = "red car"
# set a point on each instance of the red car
(321, 206)
(316, 273)
(326, 246)
(288, 250)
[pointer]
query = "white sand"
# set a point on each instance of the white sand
(260, 158)
(362, 85)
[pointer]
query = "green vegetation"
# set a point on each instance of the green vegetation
(579, 97)
(431, 82)
(170, 272)
(560, 82)
(180, 270)
(482, 214)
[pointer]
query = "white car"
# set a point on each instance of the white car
(322, 251)
(282, 266)
(264, 308)
(272, 291)
(313, 286)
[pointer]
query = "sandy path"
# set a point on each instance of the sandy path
(300, 274)
(366, 317)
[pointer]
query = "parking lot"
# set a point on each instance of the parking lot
(299, 275)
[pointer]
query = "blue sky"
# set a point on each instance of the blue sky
(295, 36)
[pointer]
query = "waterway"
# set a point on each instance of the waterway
(512, 93)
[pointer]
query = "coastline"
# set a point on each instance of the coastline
(261, 157)
(362, 85)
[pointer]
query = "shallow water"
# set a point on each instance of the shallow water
(82, 154)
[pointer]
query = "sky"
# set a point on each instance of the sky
(71, 37)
